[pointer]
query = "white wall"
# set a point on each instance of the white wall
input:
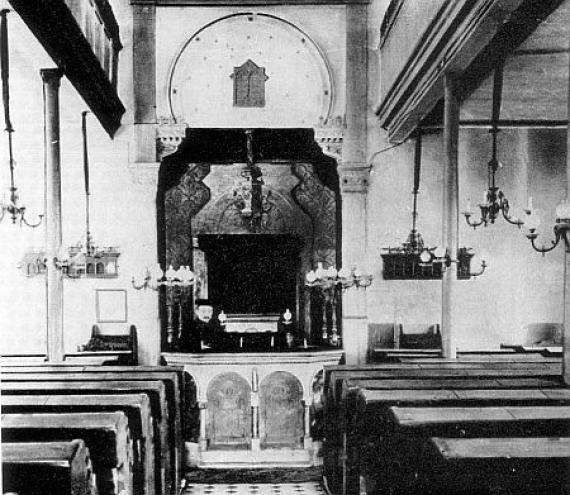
(122, 212)
(519, 286)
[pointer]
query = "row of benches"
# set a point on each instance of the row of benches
(121, 426)
(440, 426)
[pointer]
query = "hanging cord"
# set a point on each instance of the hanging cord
(417, 170)
(496, 113)
(88, 240)
(5, 69)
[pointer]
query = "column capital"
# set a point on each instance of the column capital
(354, 178)
(51, 75)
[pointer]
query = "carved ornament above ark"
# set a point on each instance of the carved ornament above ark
(169, 134)
(329, 136)
(354, 179)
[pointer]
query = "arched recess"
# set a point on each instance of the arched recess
(229, 411)
(194, 197)
(281, 410)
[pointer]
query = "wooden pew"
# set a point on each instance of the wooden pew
(368, 423)
(135, 406)
(153, 388)
(47, 468)
(106, 435)
(530, 465)
(170, 378)
(473, 374)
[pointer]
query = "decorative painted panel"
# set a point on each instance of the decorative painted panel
(281, 410)
(182, 203)
(229, 411)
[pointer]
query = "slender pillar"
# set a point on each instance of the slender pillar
(354, 175)
(307, 439)
(54, 279)
(255, 441)
(566, 335)
(450, 227)
(203, 440)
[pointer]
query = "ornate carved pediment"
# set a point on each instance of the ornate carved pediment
(169, 135)
(329, 135)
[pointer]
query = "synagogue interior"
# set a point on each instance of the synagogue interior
(285, 247)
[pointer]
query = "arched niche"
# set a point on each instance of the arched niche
(194, 198)
(229, 411)
(296, 84)
(281, 410)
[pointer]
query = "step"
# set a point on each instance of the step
(232, 459)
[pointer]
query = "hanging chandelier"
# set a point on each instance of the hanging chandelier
(494, 202)
(16, 212)
(414, 259)
(250, 198)
(82, 259)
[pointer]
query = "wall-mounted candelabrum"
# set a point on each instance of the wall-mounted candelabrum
(331, 282)
(176, 284)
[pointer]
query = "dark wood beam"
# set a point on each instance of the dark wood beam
(243, 3)
(55, 27)
(517, 29)
(466, 38)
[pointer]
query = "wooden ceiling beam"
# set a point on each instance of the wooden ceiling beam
(55, 27)
(466, 38)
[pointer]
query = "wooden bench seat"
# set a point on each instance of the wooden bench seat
(154, 389)
(106, 435)
(427, 376)
(371, 449)
(417, 417)
(135, 406)
(536, 465)
(170, 378)
(47, 468)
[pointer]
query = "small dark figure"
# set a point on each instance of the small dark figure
(205, 331)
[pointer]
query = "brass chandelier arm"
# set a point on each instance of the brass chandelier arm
(472, 223)
(509, 218)
(544, 249)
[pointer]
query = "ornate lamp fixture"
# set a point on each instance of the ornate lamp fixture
(16, 212)
(330, 281)
(494, 200)
(561, 227)
(176, 285)
(253, 202)
(413, 259)
(82, 260)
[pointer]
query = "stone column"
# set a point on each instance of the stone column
(144, 82)
(307, 439)
(203, 440)
(54, 279)
(450, 225)
(353, 174)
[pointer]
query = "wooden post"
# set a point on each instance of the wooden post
(566, 330)
(450, 226)
(54, 278)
